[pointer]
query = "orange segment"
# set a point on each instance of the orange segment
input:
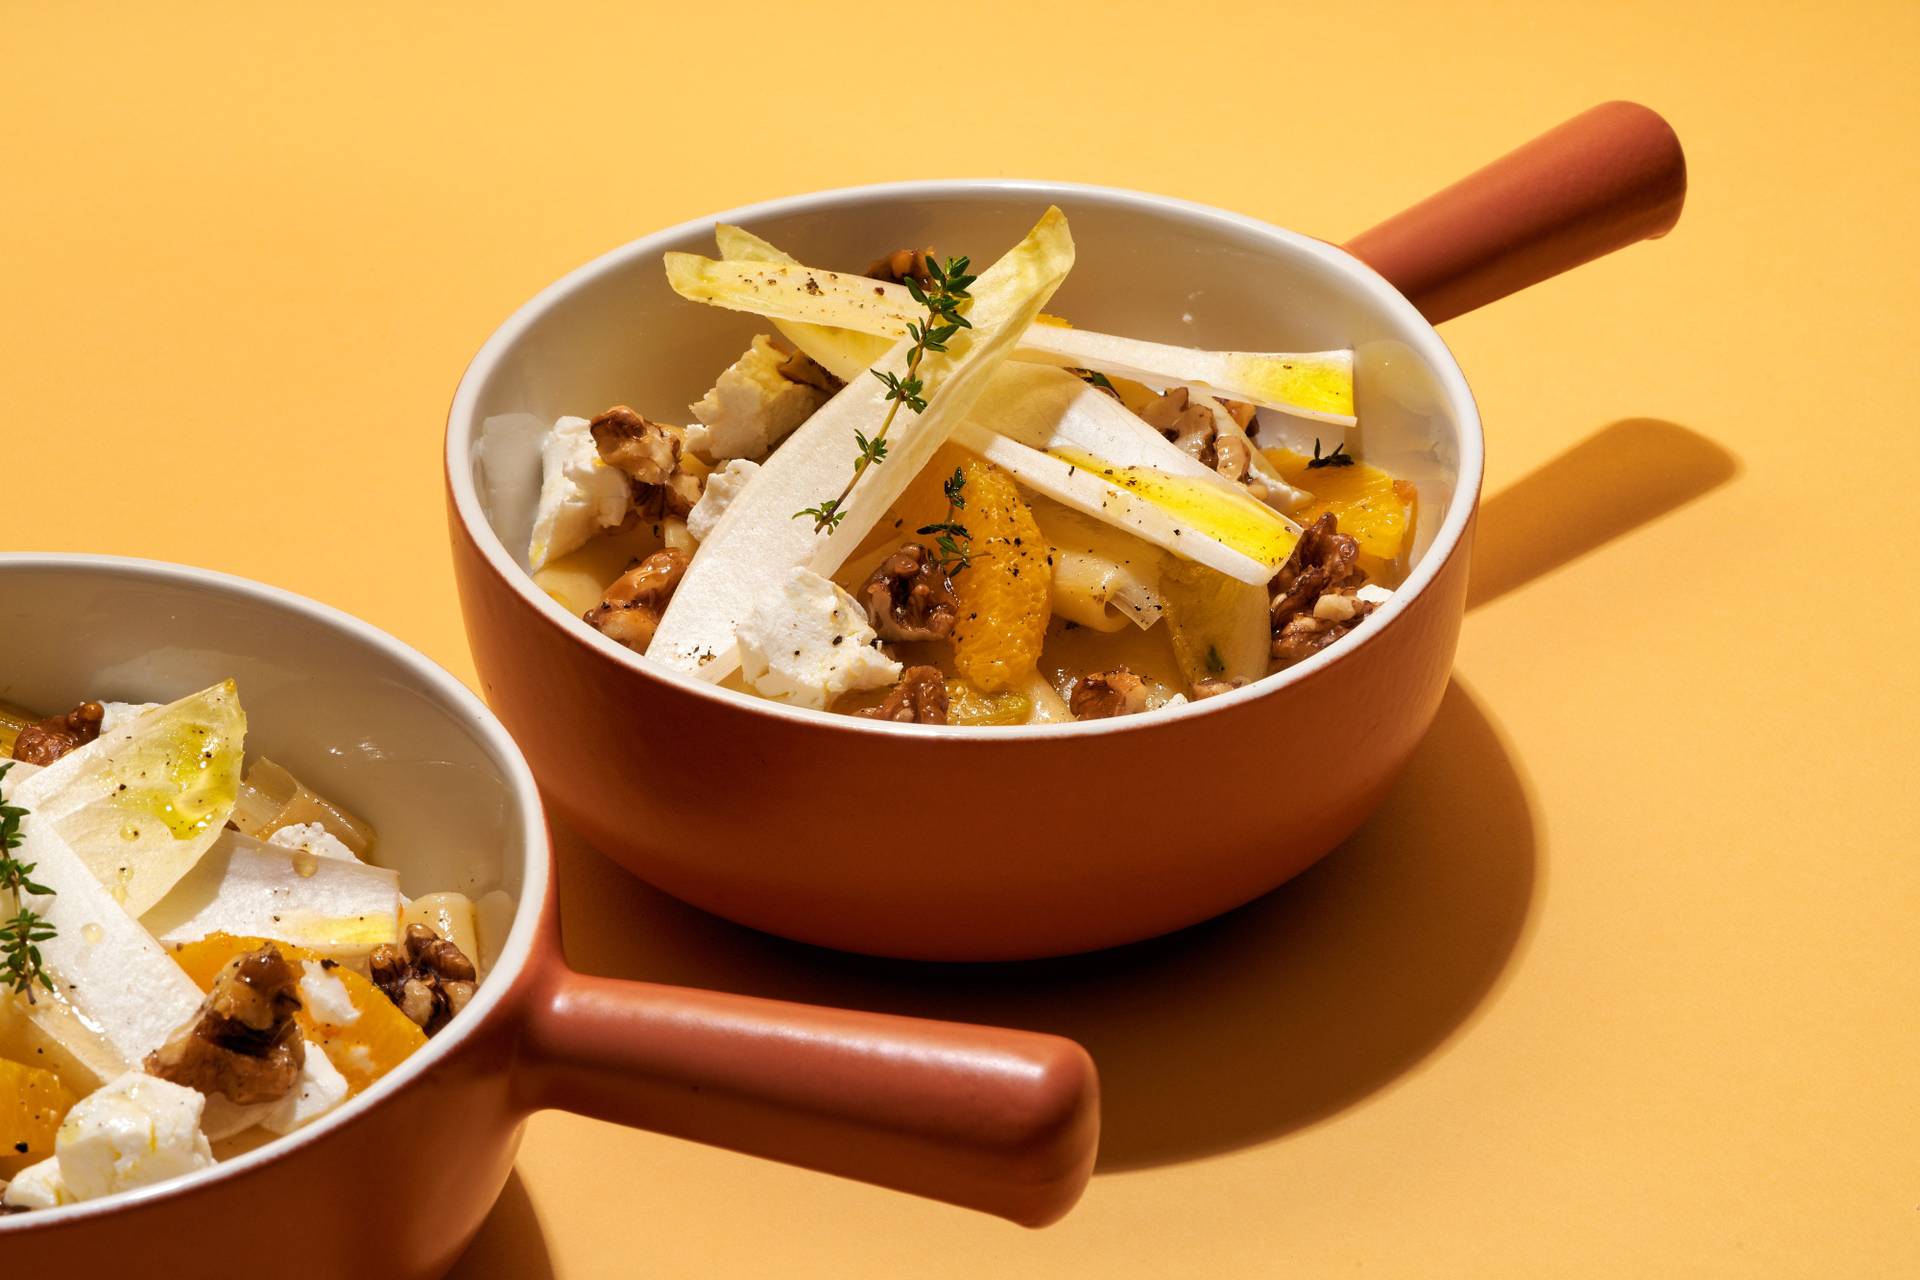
(1004, 593)
(33, 1102)
(1371, 507)
(376, 1041)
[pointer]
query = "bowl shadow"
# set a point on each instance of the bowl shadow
(1624, 475)
(1267, 1019)
(511, 1244)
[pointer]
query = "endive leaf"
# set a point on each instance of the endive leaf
(1317, 385)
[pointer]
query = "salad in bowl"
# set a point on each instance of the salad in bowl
(199, 953)
(919, 497)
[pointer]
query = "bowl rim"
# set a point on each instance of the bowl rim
(509, 971)
(463, 423)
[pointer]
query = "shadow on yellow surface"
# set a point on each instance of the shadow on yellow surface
(1228, 1033)
(1619, 478)
(511, 1244)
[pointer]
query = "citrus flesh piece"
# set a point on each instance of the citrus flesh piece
(33, 1101)
(1005, 591)
(378, 1039)
(1370, 506)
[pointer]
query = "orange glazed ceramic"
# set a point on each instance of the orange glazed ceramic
(1047, 839)
(397, 1180)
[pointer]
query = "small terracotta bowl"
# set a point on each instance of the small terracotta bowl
(988, 844)
(397, 1181)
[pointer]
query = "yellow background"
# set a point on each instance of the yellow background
(1623, 981)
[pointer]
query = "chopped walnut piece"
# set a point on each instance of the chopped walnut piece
(629, 610)
(902, 264)
(649, 454)
(910, 597)
(1189, 425)
(1104, 694)
(919, 698)
(428, 978)
(244, 1043)
(47, 741)
(1313, 602)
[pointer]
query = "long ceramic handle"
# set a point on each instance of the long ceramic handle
(997, 1120)
(1601, 181)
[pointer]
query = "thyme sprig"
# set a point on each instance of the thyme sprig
(1338, 458)
(955, 544)
(21, 935)
(944, 295)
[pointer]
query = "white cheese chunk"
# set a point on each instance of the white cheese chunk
(39, 1186)
(314, 838)
(326, 996)
(118, 714)
(319, 1090)
(810, 642)
(579, 494)
(131, 1132)
(751, 408)
(722, 487)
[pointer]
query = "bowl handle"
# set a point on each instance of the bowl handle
(998, 1120)
(1601, 181)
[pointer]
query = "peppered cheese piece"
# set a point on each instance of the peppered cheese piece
(810, 642)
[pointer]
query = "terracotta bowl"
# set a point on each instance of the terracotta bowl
(1051, 839)
(396, 1182)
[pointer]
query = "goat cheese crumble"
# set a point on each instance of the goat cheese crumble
(810, 643)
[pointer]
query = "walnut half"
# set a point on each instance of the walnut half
(47, 741)
(919, 698)
(910, 597)
(629, 611)
(1104, 694)
(1313, 602)
(244, 1043)
(649, 454)
(427, 977)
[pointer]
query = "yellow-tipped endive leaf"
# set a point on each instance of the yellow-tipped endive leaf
(1317, 385)
(758, 541)
(141, 804)
(846, 353)
(1192, 519)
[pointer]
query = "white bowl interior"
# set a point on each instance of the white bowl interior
(1147, 266)
(351, 713)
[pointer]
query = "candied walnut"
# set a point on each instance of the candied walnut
(1313, 603)
(1104, 694)
(244, 1042)
(629, 610)
(902, 265)
(47, 741)
(919, 698)
(799, 367)
(649, 454)
(428, 978)
(1189, 425)
(1323, 560)
(910, 597)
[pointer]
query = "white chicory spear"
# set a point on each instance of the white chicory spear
(338, 906)
(1224, 531)
(1316, 385)
(758, 541)
(142, 803)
